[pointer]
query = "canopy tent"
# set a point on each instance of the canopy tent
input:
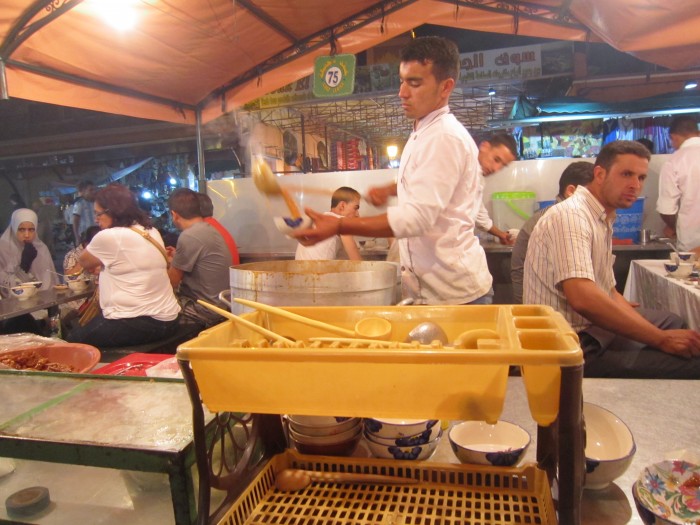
(197, 59)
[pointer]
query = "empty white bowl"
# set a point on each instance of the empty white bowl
(24, 291)
(416, 439)
(322, 426)
(683, 256)
(78, 285)
(409, 452)
(610, 446)
(287, 225)
(679, 270)
(477, 442)
(326, 440)
(396, 428)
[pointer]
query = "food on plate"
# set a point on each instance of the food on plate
(30, 360)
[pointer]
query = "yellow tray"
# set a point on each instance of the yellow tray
(447, 494)
(237, 370)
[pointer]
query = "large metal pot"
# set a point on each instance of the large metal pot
(314, 283)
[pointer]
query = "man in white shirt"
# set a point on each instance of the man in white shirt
(345, 202)
(495, 153)
(83, 214)
(568, 266)
(442, 261)
(679, 185)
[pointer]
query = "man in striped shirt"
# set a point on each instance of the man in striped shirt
(569, 266)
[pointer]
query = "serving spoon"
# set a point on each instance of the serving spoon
(426, 333)
(290, 480)
(367, 328)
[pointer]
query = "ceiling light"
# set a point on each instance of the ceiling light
(392, 150)
(120, 14)
(691, 84)
(492, 92)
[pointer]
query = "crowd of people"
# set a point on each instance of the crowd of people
(562, 256)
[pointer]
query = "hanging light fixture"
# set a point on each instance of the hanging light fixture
(691, 84)
(492, 92)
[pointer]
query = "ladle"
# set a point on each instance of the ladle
(367, 328)
(355, 340)
(266, 182)
(426, 333)
(248, 324)
(290, 480)
(674, 249)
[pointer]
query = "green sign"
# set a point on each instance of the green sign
(334, 76)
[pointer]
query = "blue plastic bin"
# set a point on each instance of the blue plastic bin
(629, 221)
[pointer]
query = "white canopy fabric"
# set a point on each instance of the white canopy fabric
(212, 56)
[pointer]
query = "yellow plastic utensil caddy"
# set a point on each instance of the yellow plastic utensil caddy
(238, 370)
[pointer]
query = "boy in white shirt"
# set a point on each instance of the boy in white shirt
(345, 202)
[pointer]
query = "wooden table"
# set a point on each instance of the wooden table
(650, 286)
(42, 300)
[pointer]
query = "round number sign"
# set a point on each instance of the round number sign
(334, 76)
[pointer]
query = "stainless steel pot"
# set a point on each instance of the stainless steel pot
(314, 283)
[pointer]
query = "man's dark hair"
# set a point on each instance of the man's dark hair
(609, 152)
(344, 194)
(577, 173)
(440, 52)
(504, 139)
(85, 184)
(683, 125)
(185, 203)
(648, 144)
(206, 206)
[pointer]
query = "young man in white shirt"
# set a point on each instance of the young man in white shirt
(442, 261)
(345, 202)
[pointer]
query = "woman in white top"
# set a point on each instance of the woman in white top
(137, 301)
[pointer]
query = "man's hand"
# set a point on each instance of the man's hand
(324, 226)
(683, 343)
(379, 196)
(28, 255)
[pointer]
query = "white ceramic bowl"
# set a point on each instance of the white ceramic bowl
(410, 452)
(396, 428)
(327, 429)
(23, 291)
(477, 442)
(610, 446)
(326, 440)
(78, 285)
(287, 225)
(684, 256)
(679, 270)
(73, 277)
(416, 439)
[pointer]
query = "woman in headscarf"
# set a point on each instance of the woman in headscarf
(24, 258)
(137, 300)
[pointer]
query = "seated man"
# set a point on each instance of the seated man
(576, 173)
(199, 265)
(206, 206)
(568, 266)
(345, 202)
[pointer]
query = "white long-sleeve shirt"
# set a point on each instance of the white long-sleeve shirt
(437, 188)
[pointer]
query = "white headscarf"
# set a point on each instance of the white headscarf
(11, 252)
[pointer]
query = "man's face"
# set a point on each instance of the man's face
(493, 158)
(349, 209)
(420, 92)
(89, 193)
(620, 186)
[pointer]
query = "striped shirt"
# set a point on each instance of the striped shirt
(572, 240)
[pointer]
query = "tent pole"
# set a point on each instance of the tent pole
(3, 81)
(201, 168)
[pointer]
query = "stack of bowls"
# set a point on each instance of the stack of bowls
(402, 438)
(324, 435)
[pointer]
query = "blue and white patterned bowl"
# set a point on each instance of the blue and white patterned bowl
(23, 291)
(416, 439)
(500, 445)
(397, 428)
(408, 452)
